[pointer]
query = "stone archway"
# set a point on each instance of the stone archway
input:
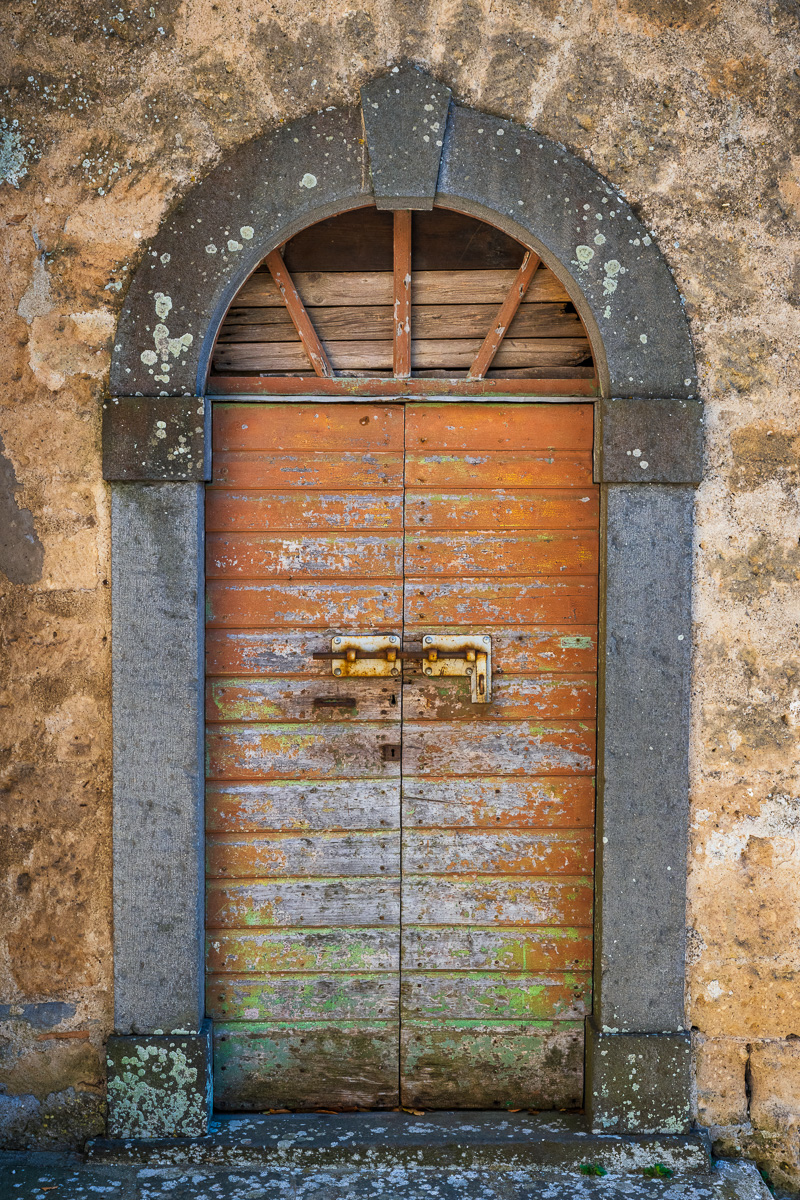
(156, 455)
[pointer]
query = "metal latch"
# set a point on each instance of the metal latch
(363, 656)
(461, 654)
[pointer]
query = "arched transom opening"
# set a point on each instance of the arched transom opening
(369, 299)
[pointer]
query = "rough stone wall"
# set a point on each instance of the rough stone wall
(108, 113)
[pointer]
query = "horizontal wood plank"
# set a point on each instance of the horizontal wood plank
(491, 469)
(374, 322)
(545, 382)
(485, 948)
(264, 555)
(295, 804)
(326, 699)
(305, 902)
(316, 997)
(305, 1065)
(257, 952)
(498, 851)
(472, 601)
(444, 353)
(491, 996)
(363, 604)
(542, 697)
(492, 1065)
(516, 427)
(337, 288)
(269, 855)
(229, 510)
(499, 900)
(307, 470)
(487, 552)
(499, 748)
(346, 427)
(515, 650)
(498, 801)
(311, 751)
(503, 508)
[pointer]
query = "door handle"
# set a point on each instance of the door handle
(445, 654)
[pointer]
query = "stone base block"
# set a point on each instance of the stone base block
(159, 1086)
(638, 1082)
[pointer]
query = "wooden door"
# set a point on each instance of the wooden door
(363, 949)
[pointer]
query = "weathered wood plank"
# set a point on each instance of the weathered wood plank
(527, 381)
(465, 948)
(474, 601)
(308, 469)
(488, 995)
(503, 508)
(498, 801)
(342, 997)
(257, 952)
(329, 853)
(295, 804)
(492, 552)
(571, 649)
(376, 287)
(335, 750)
(543, 697)
(357, 605)
(312, 346)
(374, 322)
(500, 748)
(237, 511)
(505, 427)
(497, 851)
(316, 902)
(500, 469)
(498, 1064)
(262, 555)
(445, 353)
(345, 427)
(505, 315)
(306, 1065)
(401, 318)
(326, 699)
(481, 900)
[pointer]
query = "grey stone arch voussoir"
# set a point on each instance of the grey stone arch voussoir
(406, 146)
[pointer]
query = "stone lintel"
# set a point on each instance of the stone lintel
(405, 114)
(648, 441)
(156, 438)
(159, 1086)
(638, 1082)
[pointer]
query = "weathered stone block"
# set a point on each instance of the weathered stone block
(648, 441)
(159, 1087)
(638, 1082)
(775, 1083)
(404, 118)
(159, 438)
(720, 1066)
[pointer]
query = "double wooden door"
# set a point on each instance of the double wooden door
(399, 878)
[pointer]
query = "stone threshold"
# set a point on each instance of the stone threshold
(378, 1141)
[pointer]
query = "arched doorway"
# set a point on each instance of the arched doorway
(646, 459)
(400, 869)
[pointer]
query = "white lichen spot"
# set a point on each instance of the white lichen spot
(149, 358)
(599, 239)
(584, 255)
(643, 338)
(637, 454)
(247, 232)
(211, 248)
(165, 258)
(308, 180)
(13, 154)
(163, 305)
(428, 108)
(232, 245)
(713, 990)
(161, 429)
(607, 312)
(644, 464)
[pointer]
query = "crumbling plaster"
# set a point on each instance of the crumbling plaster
(108, 114)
